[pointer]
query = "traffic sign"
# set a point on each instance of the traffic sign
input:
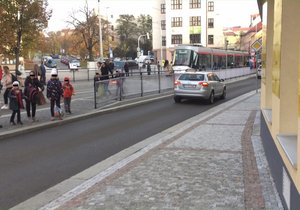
(256, 45)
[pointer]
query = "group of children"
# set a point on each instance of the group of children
(55, 91)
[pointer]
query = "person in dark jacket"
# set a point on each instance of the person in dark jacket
(43, 73)
(54, 93)
(105, 76)
(32, 87)
(16, 97)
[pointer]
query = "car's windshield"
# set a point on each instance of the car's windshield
(182, 57)
(192, 77)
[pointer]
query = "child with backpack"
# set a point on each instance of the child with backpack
(68, 93)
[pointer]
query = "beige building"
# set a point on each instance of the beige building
(280, 94)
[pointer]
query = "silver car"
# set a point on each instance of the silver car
(203, 85)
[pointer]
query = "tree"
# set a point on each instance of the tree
(129, 29)
(86, 29)
(21, 22)
(127, 32)
(144, 24)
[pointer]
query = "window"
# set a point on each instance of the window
(112, 38)
(195, 4)
(176, 39)
(195, 38)
(195, 21)
(210, 39)
(176, 4)
(163, 9)
(210, 6)
(176, 22)
(210, 23)
(112, 27)
(163, 41)
(163, 25)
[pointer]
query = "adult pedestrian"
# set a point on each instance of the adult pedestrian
(43, 73)
(105, 77)
(111, 66)
(32, 87)
(167, 68)
(148, 67)
(7, 80)
(36, 70)
(119, 81)
(126, 69)
(22, 75)
(54, 93)
(158, 67)
(1, 74)
(96, 81)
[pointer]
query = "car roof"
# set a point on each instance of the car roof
(199, 72)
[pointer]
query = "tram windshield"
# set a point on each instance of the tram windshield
(182, 57)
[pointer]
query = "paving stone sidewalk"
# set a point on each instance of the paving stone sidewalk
(214, 162)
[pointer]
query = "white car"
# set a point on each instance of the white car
(74, 64)
(201, 85)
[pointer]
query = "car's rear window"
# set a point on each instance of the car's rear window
(192, 77)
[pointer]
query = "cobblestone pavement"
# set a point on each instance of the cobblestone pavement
(211, 161)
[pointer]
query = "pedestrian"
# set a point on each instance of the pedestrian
(167, 68)
(22, 75)
(105, 77)
(68, 93)
(158, 67)
(37, 71)
(1, 74)
(126, 69)
(111, 66)
(16, 97)
(32, 87)
(7, 80)
(96, 81)
(54, 93)
(43, 73)
(148, 68)
(119, 81)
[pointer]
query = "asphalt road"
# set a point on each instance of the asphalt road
(32, 163)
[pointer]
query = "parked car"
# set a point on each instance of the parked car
(199, 85)
(74, 64)
(51, 63)
(258, 72)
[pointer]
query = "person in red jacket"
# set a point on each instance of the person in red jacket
(68, 93)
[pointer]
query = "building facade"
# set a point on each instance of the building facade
(280, 95)
(189, 22)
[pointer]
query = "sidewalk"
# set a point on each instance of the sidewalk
(214, 160)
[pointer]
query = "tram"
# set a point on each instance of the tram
(202, 58)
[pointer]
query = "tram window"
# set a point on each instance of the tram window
(182, 57)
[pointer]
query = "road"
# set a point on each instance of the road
(33, 162)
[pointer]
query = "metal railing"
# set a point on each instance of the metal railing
(137, 84)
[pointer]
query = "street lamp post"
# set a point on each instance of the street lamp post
(100, 31)
(19, 37)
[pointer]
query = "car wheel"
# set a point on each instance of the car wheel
(223, 96)
(177, 99)
(211, 99)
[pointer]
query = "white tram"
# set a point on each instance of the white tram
(202, 58)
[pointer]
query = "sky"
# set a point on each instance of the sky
(61, 10)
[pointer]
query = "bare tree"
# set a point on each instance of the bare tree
(87, 29)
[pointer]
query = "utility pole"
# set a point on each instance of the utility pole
(100, 31)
